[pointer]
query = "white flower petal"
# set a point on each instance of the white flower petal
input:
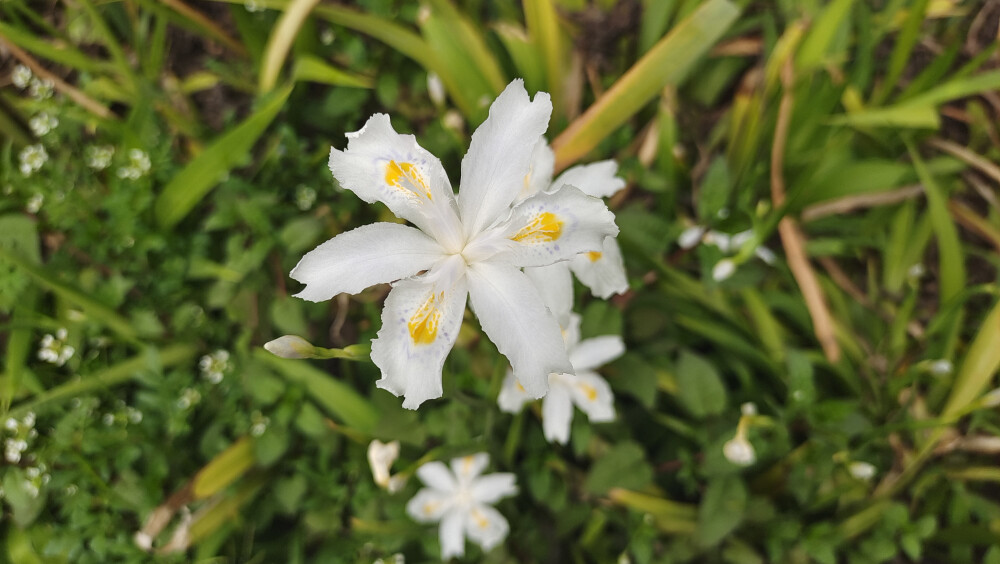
(428, 505)
(571, 331)
(604, 271)
(420, 322)
(512, 395)
(515, 319)
(452, 534)
(539, 176)
(437, 476)
(555, 285)
(499, 155)
(363, 257)
(552, 227)
(486, 527)
(380, 458)
(382, 165)
(466, 468)
(594, 353)
(557, 414)
(592, 394)
(493, 487)
(595, 179)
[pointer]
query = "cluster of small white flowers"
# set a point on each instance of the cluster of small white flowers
(252, 6)
(397, 558)
(138, 165)
(189, 397)
(34, 203)
(863, 471)
(37, 477)
(99, 157)
(725, 242)
(214, 366)
(41, 88)
(305, 197)
(43, 123)
(327, 36)
(22, 431)
(123, 415)
(32, 158)
(738, 450)
(54, 350)
(258, 423)
(21, 76)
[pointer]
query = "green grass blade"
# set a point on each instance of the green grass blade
(524, 54)
(392, 34)
(980, 365)
(59, 53)
(313, 69)
(200, 175)
(816, 45)
(280, 41)
(667, 63)
(543, 29)
(952, 261)
(336, 397)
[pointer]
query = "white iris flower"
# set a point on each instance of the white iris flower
(602, 270)
(471, 244)
(461, 500)
(586, 388)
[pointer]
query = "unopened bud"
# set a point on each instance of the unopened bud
(291, 346)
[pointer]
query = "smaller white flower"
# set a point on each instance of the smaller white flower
(435, 89)
(748, 409)
(690, 237)
(327, 36)
(34, 203)
(10, 424)
(305, 197)
(723, 270)
(739, 451)
(189, 397)
(21, 76)
(916, 271)
(861, 470)
(453, 120)
(214, 366)
(133, 415)
(43, 123)
(54, 350)
(99, 157)
(32, 158)
(41, 89)
(252, 6)
(461, 500)
(941, 367)
(259, 423)
(138, 165)
(380, 458)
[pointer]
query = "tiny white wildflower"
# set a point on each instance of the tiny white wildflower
(719, 239)
(723, 270)
(31, 488)
(21, 76)
(54, 350)
(723, 213)
(108, 419)
(380, 458)
(10, 424)
(766, 255)
(138, 165)
(327, 36)
(29, 419)
(43, 123)
(133, 415)
(34, 203)
(435, 89)
(739, 451)
(941, 367)
(72, 489)
(305, 197)
(258, 424)
(252, 6)
(690, 237)
(41, 88)
(99, 157)
(189, 397)
(461, 500)
(748, 409)
(453, 120)
(214, 366)
(32, 158)
(916, 271)
(861, 470)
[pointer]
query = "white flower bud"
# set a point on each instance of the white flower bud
(723, 270)
(435, 89)
(861, 470)
(380, 458)
(690, 237)
(290, 346)
(739, 451)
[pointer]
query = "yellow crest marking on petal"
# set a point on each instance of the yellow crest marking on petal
(594, 256)
(589, 391)
(430, 507)
(480, 519)
(520, 388)
(542, 228)
(406, 176)
(423, 324)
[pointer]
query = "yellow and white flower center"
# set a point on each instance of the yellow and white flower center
(407, 177)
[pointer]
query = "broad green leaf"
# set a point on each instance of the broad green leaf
(524, 54)
(224, 469)
(542, 22)
(815, 47)
(336, 397)
(909, 114)
(950, 255)
(667, 63)
(623, 466)
(313, 69)
(200, 175)
(721, 510)
(280, 41)
(980, 365)
(700, 390)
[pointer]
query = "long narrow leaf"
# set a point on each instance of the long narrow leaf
(281, 40)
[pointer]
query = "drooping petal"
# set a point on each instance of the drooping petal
(539, 176)
(380, 458)
(603, 272)
(363, 257)
(557, 414)
(594, 353)
(466, 468)
(512, 395)
(515, 319)
(551, 227)
(429, 505)
(594, 179)
(452, 534)
(592, 394)
(420, 322)
(437, 476)
(486, 526)
(493, 487)
(499, 155)
(555, 285)
(382, 165)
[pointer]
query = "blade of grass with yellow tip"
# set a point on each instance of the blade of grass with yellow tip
(667, 63)
(543, 29)
(280, 41)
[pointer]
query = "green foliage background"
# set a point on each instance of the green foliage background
(888, 168)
